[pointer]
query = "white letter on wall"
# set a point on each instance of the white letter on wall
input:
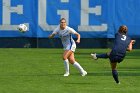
(85, 10)
(64, 13)
(43, 15)
(6, 17)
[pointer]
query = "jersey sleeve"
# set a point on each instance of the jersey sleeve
(55, 31)
(72, 30)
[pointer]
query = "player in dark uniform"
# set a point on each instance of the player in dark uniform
(122, 44)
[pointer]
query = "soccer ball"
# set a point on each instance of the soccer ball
(22, 28)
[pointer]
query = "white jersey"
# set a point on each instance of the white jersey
(66, 37)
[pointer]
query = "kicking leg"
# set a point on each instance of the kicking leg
(96, 56)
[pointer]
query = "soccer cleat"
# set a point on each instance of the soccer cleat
(94, 56)
(84, 73)
(118, 83)
(66, 74)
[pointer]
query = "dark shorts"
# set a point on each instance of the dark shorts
(116, 58)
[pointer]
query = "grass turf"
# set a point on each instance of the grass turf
(41, 71)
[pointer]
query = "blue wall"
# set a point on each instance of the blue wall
(91, 18)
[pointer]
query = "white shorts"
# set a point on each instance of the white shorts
(71, 47)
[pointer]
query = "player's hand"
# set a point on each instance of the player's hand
(133, 41)
(51, 36)
(77, 41)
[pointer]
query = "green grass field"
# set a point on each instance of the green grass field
(41, 71)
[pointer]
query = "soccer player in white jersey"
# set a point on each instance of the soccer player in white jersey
(65, 33)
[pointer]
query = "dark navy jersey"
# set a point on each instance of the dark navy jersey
(120, 45)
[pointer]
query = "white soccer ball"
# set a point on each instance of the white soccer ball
(22, 28)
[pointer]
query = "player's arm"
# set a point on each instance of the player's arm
(51, 35)
(78, 37)
(75, 33)
(130, 46)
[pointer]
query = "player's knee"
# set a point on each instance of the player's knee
(64, 58)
